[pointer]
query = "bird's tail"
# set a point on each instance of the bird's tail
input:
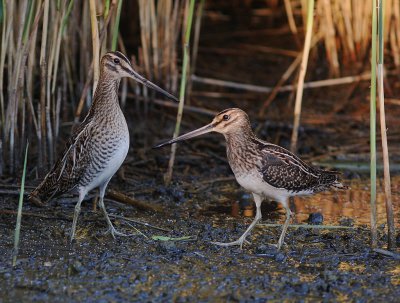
(333, 177)
(35, 197)
(339, 185)
(42, 193)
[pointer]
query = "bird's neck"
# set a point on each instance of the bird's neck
(242, 151)
(106, 94)
(241, 136)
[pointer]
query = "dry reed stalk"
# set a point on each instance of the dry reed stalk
(292, 22)
(286, 88)
(160, 28)
(63, 21)
(154, 41)
(345, 26)
(31, 46)
(330, 34)
(95, 43)
(4, 41)
(374, 231)
(145, 35)
(195, 48)
(14, 92)
(347, 32)
(185, 67)
(51, 78)
(302, 73)
(89, 76)
(41, 134)
(395, 32)
(30, 77)
(385, 151)
(4, 46)
(366, 25)
(17, 68)
(285, 76)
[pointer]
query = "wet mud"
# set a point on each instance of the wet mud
(173, 260)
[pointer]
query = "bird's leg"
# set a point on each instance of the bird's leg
(242, 239)
(76, 214)
(285, 225)
(111, 228)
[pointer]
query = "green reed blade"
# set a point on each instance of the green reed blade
(116, 27)
(19, 214)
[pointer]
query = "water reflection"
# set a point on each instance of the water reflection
(353, 203)
(335, 206)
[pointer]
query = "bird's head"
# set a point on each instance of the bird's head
(116, 66)
(228, 121)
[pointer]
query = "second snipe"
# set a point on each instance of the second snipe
(99, 145)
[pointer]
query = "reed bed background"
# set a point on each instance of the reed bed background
(50, 51)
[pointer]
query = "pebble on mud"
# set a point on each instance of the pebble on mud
(315, 218)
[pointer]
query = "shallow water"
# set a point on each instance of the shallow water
(353, 203)
(345, 207)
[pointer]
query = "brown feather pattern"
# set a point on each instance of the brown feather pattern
(279, 167)
(91, 145)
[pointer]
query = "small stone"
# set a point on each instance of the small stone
(316, 218)
(346, 222)
(77, 267)
(47, 264)
(246, 201)
(280, 257)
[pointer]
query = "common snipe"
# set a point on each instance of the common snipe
(265, 169)
(99, 145)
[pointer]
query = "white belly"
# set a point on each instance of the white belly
(254, 183)
(113, 164)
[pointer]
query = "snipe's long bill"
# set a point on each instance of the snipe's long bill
(266, 170)
(134, 75)
(99, 145)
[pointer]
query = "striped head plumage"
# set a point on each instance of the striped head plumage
(115, 65)
(229, 121)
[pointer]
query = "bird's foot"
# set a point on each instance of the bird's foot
(278, 245)
(71, 237)
(115, 232)
(239, 242)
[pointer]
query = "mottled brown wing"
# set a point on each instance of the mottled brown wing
(70, 167)
(75, 159)
(282, 169)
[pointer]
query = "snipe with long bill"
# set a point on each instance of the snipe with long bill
(99, 145)
(266, 170)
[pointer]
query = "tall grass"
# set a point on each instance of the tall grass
(49, 57)
(185, 67)
(345, 30)
(385, 150)
(160, 26)
(48, 61)
(302, 74)
(374, 232)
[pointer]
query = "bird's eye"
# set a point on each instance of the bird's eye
(116, 61)
(225, 117)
